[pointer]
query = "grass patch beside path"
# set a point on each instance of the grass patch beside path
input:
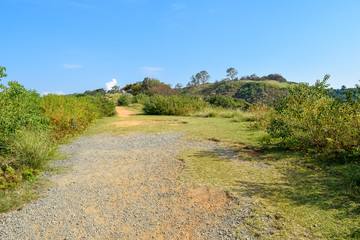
(292, 197)
(195, 128)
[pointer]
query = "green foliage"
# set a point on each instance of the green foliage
(254, 92)
(173, 105)
(134, 88)
(200, 78)
(140, 98)
(69, 115)
(227, 102)
(307, 118)
(32, 148)
(9, 177)
(124, 100)
(105, 106)
(19, 108)
(100, 91)
(2, 72)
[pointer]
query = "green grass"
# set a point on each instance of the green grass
(196, 128)
(13, 199)
(292, 196)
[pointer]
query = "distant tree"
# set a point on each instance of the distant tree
(253, 77)
(114, 89)
(148, 83)
(274, 76)
(203, 76)
(163, 90)
(231, 73)
(193, 81)
(133, 88)
(100, 91)
(178, 86)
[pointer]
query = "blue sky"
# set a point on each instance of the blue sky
(72, 45)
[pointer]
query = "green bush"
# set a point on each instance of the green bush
(140, 98)
(307, 118)
(105, 106)
(32, 148)
(69, 115)
(173, 105)
(19, 108)
(124, 100)
(227, 102)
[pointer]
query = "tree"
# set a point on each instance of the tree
(100, 91)
(114, 89)
(231, 73)
(178, 86)
(133, 88)
(203, 76)
(148, 83)
(193, 81)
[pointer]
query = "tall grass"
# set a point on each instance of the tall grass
(32, 148)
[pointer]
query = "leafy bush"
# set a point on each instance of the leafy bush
(173, 105)
(69, 115)
(140, 98)
(227, 102)
(19, 108)
(105, 106)
(32, 148)
(307, 118)
(124, 100)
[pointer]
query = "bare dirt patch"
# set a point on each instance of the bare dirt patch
(124, 113)
(129, 123)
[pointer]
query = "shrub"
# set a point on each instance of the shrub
(307, 118)
(69, 115)
(32, 148)
(124, 100)
(105, 106)
(227, 102)
(140, 98)
(19, 108)
(173, 105)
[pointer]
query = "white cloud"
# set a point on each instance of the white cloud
(109, 85)
(71, 66)
(152, 70)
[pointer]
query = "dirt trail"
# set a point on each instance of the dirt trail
(124, 113)
(124, 188)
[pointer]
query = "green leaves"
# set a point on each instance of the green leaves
(307, 118)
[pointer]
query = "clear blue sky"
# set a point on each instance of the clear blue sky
(77, 45)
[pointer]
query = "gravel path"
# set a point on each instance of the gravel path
(124, 188)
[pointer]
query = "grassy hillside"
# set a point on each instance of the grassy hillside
(251, 91)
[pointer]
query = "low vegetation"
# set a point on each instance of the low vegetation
(292, 161)
(173, 105)
(31, 126)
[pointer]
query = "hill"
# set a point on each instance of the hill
(265, 91)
